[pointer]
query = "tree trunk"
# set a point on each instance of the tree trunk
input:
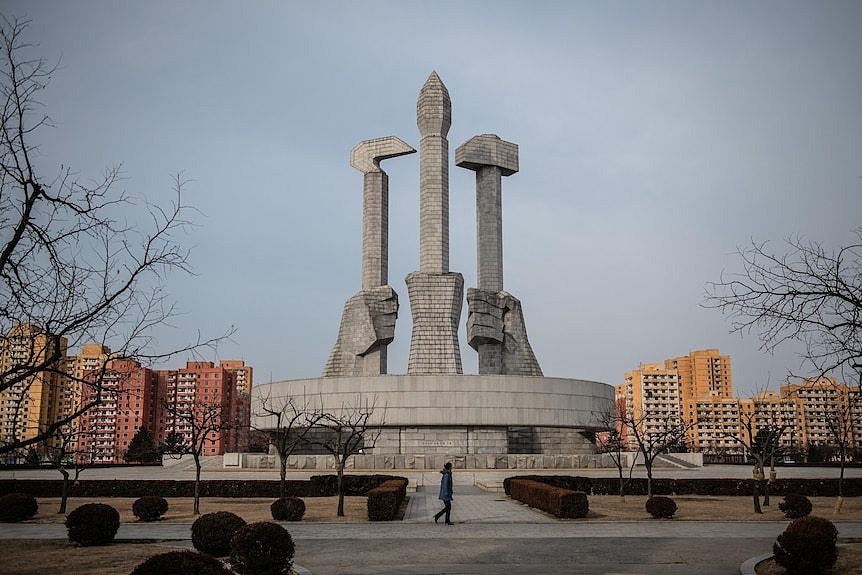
(840, 501)
(648, 465)
(622, 484)
(766, 493)
(283, 472)
(757, 508)
(197, 507)
(64, 497)
(340, 512)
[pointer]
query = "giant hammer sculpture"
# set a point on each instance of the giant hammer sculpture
(368, 321)
(435, 293)
(495, 321)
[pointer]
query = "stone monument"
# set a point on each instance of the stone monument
(507, 416)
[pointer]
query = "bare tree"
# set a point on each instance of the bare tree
(809, 294)
(287, 423)
(841, 425)
(344, 433)
(78, 262)
(194, 423)
(760, 435)
(654, 435)
(63, 450)
(612, 441)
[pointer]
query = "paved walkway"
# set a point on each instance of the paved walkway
(493, 534)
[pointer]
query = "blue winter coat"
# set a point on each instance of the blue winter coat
(446, 485)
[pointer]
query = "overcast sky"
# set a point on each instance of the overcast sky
(655, 138)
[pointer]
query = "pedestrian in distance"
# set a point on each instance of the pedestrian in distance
(445, 493)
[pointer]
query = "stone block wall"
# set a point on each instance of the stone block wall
(393, 461)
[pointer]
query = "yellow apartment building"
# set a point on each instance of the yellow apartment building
(652, 397)
(703, 374)
(244, 374)
(93, 356)
(769, 410)
(33, 401)
(825, 408)
(716, 425)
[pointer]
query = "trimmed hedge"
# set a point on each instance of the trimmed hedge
(807, 546)
(795, 506)
(181, 563)
(385, 500)
(150, 508)
(263, 548)
(557, 501)
(212, 532)
(734, 487)
(17, 507)
(287, 509)
(661, 507)
(316, 486)
(93, 524)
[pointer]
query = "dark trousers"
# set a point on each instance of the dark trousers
(447, 508)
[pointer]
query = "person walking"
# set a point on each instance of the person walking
(445, 493)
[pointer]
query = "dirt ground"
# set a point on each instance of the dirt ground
(180, 509)
(24, 557)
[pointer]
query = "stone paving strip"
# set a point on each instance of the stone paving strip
(558, 530)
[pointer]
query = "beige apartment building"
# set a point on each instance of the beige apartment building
(703, 385)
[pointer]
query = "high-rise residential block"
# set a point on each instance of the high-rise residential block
(716, 425)
(94, 357)
(199, 387)
(129, 401)
(828, 411)
(33, 360)
(703, 374)
(243, 374)
(768, 410)
(651, 395)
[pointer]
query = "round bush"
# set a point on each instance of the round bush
(808, 545)
(17, 507)
(661, 507)
(211, 532)
(181, 563)
(795, 506)
(93, 524)
(261, 549)
(150, 508)
(287, 509)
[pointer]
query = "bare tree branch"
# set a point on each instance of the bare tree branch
(71, 266)
(809, 294)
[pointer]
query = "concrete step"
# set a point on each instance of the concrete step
(493, 486)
